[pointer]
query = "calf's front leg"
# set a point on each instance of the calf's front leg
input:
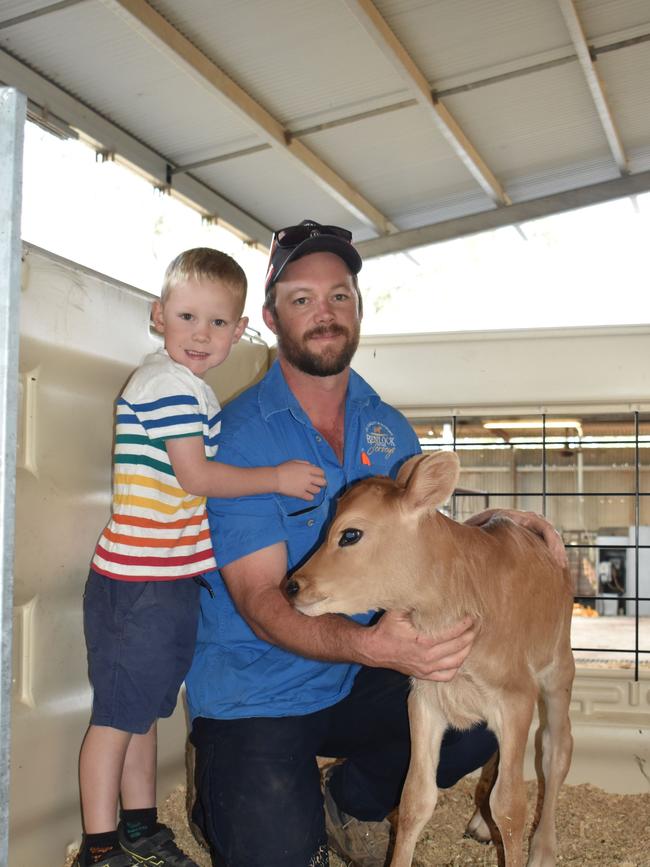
(420, 792)
(508, 799)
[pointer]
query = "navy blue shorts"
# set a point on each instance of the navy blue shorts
(140, 637)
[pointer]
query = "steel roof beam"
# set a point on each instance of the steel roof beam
(520, 212)
(588, 64)
(390, 46)
(38, 13)
(254, 114)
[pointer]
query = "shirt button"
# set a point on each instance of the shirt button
(310, 522)
(318, 439)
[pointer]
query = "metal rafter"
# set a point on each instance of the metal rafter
(38, 13)
(265, 125)
(588, 64)
(371, 20)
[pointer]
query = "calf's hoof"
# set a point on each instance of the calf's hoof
(478, 829)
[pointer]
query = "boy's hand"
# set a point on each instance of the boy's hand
(300, 479)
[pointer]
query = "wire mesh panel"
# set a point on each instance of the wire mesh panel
(589, 475)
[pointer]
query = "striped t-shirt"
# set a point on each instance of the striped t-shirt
(157, 532)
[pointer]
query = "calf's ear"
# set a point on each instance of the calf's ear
(431, 480)
(405, 471)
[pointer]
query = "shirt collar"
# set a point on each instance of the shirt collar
(276, 396)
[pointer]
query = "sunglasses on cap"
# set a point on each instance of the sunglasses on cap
(293, 242)
(291, 236)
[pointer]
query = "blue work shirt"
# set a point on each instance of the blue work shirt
(234, 673)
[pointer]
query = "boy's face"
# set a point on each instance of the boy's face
(200, 322)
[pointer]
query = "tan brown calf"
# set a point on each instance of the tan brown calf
(388, 547)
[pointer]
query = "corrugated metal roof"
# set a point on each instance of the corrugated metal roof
(505, 123)
(294, 56)
(282, 192)
(125, 78)
(464, 37)
(317, 113)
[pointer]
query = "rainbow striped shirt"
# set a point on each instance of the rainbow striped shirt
(157, 532)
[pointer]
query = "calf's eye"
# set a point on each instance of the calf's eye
(350, 537)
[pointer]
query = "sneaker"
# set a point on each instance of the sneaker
(361, 844)
(117, 859)
(158, 850)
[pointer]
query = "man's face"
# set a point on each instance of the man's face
(316, 316)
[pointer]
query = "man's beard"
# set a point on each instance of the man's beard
(330, 362)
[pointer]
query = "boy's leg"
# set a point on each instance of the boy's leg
(258, 798)
(138, 783)
(140, 637)
(100, 771)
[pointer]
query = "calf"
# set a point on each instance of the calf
(389, 548)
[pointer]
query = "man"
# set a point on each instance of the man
(270, 689)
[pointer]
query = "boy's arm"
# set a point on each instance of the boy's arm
(203, 478)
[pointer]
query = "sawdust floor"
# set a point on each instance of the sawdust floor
(595, 829)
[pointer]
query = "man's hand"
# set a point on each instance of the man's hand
(394, 642)
(531, 521)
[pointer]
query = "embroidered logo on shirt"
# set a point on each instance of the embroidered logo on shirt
(380, 439)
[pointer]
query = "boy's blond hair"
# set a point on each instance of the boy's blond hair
(205, 263)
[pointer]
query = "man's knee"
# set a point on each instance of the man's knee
(464, 752)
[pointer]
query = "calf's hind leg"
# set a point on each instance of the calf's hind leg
(478, 828)
(420, 791)
(557, 745)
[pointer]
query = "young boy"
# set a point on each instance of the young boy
(140, 603)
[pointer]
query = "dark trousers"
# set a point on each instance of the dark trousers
(259, 801)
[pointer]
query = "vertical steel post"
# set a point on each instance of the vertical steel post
(12, 124)
(637, 550)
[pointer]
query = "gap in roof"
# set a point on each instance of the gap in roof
(583, 268)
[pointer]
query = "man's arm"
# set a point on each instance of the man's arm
(255, 585)
(531, 521)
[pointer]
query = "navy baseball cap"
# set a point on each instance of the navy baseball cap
(293, 242)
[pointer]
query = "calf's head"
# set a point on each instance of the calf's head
(377, 541)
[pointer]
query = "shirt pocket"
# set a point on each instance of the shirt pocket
(305, 528)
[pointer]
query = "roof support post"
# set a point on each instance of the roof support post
(13, 111)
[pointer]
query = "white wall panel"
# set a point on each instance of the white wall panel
(513, 370)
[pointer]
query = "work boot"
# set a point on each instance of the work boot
(159, 849)
(361, 844)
